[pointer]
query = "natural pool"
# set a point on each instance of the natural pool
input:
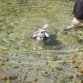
(18, 21)
(32, 61)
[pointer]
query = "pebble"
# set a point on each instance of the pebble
(60, 62)
(69, 77)
(58, 68)
(80, 57)
(4, 59)
(2, 64)
(71, 60)
(25, 76)
(79, 71)
(78, 81)
(4, 76)
(74, 66)
(15, 67)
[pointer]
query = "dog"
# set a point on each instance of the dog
(41, 34)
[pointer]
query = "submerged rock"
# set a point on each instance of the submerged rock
(77, 64)
(79, 71)
(69, 76)
(60, 62)
(78, 81)
(81, 49)
(15, 67)
(72, 60)
(2, 64)
(4, 76)
(4, 59)
(74, 66)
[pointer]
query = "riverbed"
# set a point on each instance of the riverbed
(25, 60)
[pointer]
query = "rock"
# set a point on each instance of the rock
(78, 81)
(4, 59)
(12, 76)
(25, 76)
(80, 77)
(46, 74)
(21, 65)
(53, 64)
(59, 68)
(79, 71)
(74, 66)
(2, 77)
(33, 80)
(60, 62)
(5, 76)
(81, 65)
(80, 57)
(81, 49)
(69, 77)
(2, 64)
(37, 68)
(71, 60)
(15, 67)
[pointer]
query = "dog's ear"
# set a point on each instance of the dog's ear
(46, 34)
(34, 36)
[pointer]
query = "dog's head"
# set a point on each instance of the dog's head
(41, 35)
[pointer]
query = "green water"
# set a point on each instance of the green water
(19, 19)
(32, 61)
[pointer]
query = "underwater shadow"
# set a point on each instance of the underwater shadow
(53, 44)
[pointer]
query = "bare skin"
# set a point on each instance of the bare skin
(75, 22)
